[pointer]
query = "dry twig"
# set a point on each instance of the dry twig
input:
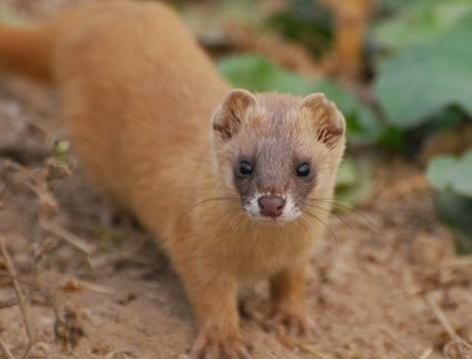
(20, 297)
(38, 182)
(76, 242)
(398, 344)
(292, 343)
(458, 262)
(426, 353)
(8, 303)
(36, 287)
(74, 285)
(5, 350)
(444, 321)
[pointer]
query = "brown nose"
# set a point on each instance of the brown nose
(271, 206)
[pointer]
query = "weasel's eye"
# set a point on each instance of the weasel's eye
(303, 170)
(245, 168)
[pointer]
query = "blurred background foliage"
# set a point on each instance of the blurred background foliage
(400, 70)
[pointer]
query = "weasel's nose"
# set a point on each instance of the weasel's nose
(271, 206)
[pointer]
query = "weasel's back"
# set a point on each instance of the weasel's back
(137, 91)
(141, 56)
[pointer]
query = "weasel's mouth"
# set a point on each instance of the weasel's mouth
(271, 216)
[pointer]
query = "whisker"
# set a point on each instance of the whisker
(209, 200)
(231, 224)
(338, 199)
(243, 216)
(303, 222)
(346, 205)
(312, 215)
(338, 216)
(354, 210)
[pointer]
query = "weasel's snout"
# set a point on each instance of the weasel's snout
(271, 206)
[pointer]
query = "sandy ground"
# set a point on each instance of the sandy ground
(385, 284)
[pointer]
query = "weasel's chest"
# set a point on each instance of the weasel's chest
(262, 257)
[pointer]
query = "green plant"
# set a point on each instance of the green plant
(257, 73)
(423, 80)
(447, 173)
(452, 177)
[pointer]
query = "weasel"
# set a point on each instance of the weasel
(235, 185)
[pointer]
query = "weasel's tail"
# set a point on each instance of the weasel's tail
(27, 51)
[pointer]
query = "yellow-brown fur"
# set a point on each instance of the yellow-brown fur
(138, 94)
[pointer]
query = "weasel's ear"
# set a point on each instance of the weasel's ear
(328, 122)
(229, 117)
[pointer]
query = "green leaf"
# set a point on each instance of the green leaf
(456, 211)
(10, 17)
(449, 173)
(60, 151)
(393, 139)
(256, 73)
(419, 22)
(427, 78)
(354, 182)
(394, 5)
(309, 22)
(347, 173)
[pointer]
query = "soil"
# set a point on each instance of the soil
(384, 282)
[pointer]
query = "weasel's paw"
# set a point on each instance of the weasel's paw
(290, 322)
(213, 344)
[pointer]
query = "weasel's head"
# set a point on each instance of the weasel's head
(278, 153)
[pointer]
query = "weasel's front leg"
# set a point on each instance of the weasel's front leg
(288, 301)
(215, 302)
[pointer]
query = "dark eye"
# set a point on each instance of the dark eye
(245, 168)
(303, 170)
